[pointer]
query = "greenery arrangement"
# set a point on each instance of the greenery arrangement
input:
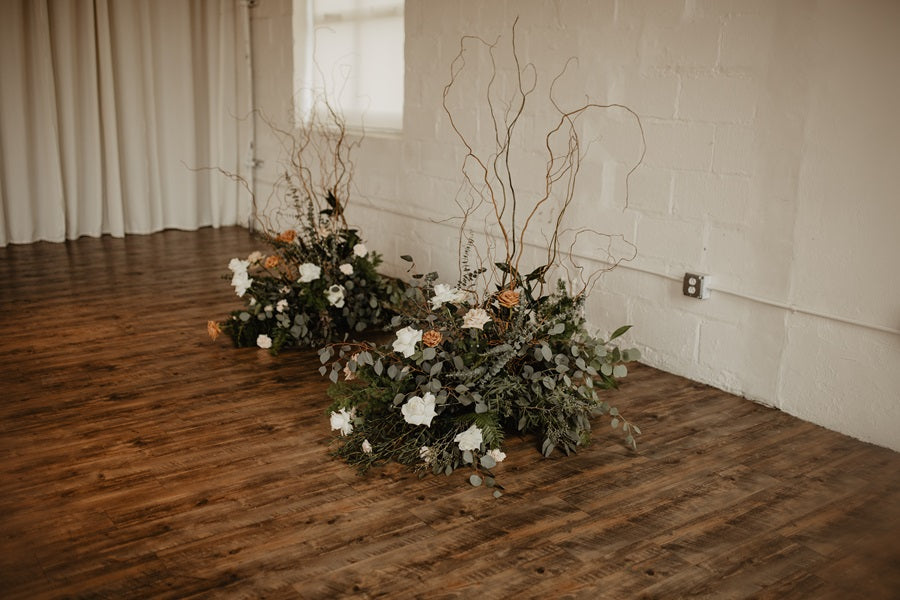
(317, 282)
(464, 370)
(313, 287)
(495, 353)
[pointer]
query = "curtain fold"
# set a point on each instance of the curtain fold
(111, 112)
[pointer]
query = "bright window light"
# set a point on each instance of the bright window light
(350, 52)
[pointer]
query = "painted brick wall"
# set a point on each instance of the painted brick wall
(771, 164)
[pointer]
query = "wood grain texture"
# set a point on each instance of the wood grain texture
(139, 459)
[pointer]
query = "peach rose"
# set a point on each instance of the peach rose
(432, 338)
(213, 329)
(272, 261)
(287, 236)
(508, 298)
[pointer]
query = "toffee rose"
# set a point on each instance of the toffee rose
(432, 338)
(508, 298)
(288, 236)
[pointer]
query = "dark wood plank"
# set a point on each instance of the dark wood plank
(140, 459)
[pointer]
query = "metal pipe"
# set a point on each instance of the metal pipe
(251, 162)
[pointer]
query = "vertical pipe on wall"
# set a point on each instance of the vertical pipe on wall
(251, 162)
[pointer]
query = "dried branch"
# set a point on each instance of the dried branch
(493, 181)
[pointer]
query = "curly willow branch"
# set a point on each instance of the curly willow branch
(495, 174)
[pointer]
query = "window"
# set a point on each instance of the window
(352, 52)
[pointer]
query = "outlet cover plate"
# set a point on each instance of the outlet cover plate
(695, 285)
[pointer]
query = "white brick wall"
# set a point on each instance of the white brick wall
(771, 165)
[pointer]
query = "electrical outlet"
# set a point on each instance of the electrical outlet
(696, 286)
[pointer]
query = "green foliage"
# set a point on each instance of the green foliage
(533, 368)
(346, 296)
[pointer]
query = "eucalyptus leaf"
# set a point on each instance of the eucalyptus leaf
(487, 461)
(557, 329)
(475, 480)
(620, 371)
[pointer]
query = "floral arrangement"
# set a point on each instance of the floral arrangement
(314, 286)
(317, 282)
(495, 353)
(463, 370)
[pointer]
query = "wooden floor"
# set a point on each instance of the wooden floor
(138, 459)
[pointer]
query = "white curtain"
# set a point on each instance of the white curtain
(107, 106)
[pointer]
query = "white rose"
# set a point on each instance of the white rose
(335, 295)
(346, 269)
(426, 454)
(445, 293)
(252, 301)
(360, 250)
(470, 439)
(281, 305)
(406, 340)
(367, 447)
(419, 410)
(342, 420)
(475, 318)
(255, 257)
(241, 282)
(309, 272)
(267, 308)
(497, 455)
(263, 341)
(238, 266)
